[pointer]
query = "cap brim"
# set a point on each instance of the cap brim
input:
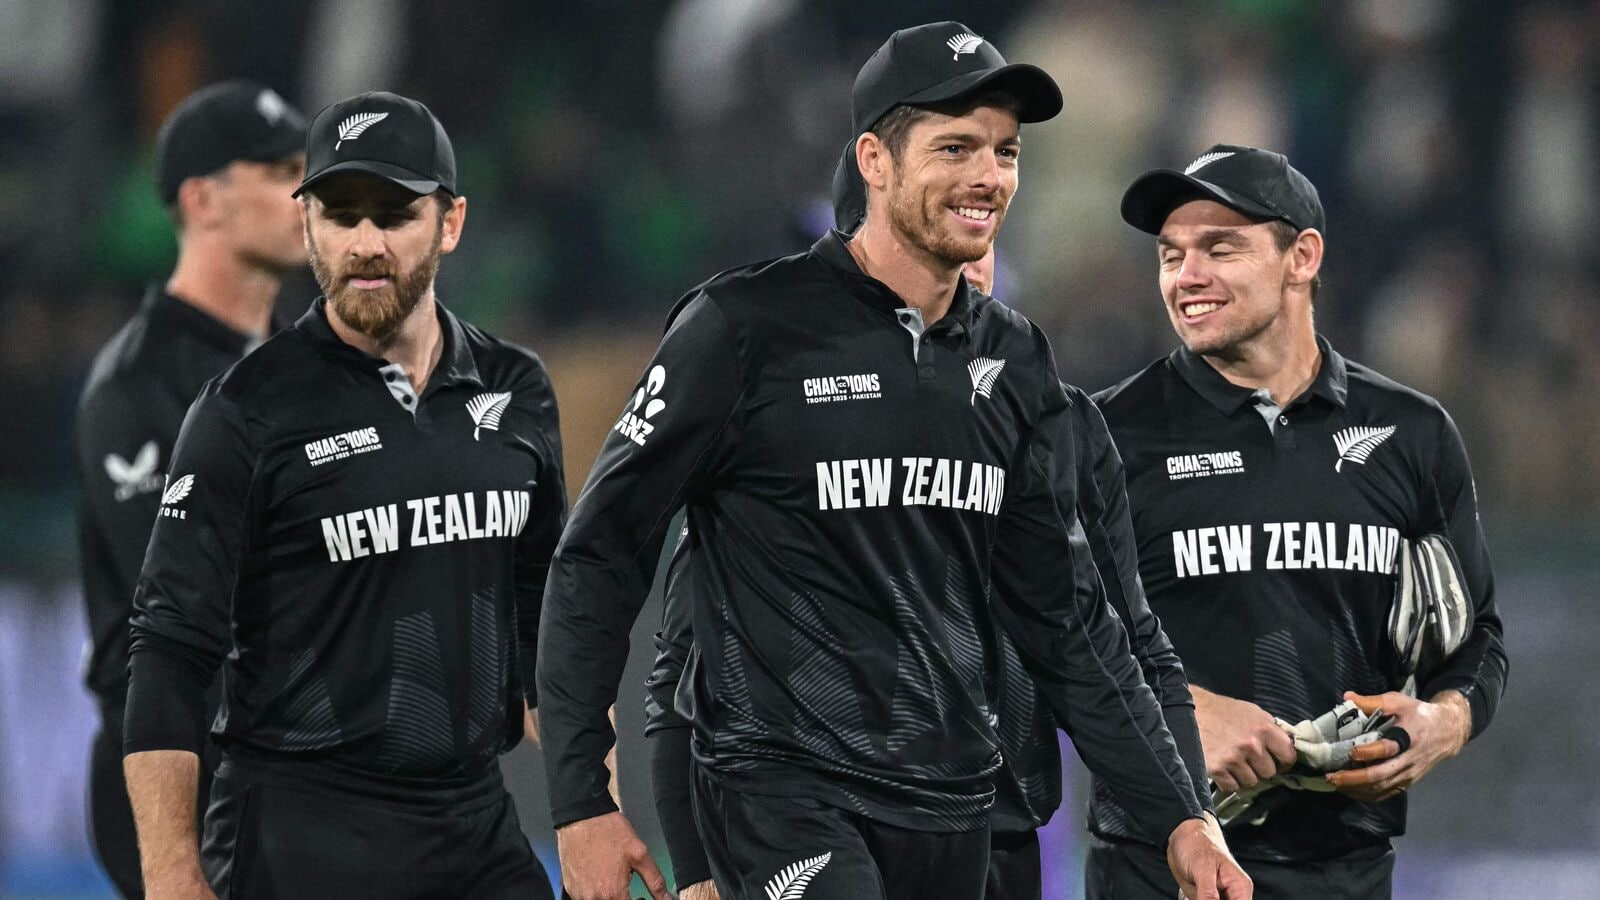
(393, 174)
(1034, 89)
(1154, 196)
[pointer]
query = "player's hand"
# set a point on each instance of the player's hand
(700, 890)
(1438, 730)
(1199, 859)
(598, 857)
(185, 885)
(530, 723)
(1244, 745)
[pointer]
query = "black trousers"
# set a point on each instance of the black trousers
(762, 847)
(1129, 870)
(111, 829)
(1014, 872)
(269, 840)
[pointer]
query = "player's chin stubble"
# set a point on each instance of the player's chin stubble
(377, 314)
(920, 224)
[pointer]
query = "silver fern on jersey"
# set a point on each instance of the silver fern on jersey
(486, 410)
(791, 883)
(351, 128)
(984, 372)
(1357, 442)
(965, 42)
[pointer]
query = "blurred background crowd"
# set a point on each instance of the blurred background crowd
(616, 152)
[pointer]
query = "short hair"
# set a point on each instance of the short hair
(1283, 237)
(894, 129)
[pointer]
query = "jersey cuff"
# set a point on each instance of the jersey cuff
(564, 814)
(166, 703)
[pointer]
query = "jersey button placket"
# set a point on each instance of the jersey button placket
(1283, 435)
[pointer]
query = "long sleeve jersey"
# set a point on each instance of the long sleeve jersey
(365, 563)
(856, 485)
(1267, 545)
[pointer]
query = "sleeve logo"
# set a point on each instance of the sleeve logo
(486, 410)
(985, 372)
(635, 422)
(791, 883)
(1357, 443)
(176, 491)
(137, 477)
(351, 128)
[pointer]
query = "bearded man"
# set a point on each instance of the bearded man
(356, 527)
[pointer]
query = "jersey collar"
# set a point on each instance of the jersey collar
(456, 363)
(1330, 385)
(168, 311)
(831, 250)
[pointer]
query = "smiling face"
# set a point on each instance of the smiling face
(375, 248)
(949, 186)
(1225, 279)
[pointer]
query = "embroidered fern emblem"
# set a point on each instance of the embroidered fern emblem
(1357, 443)
(984, 372)
(351, 128)
(791, 883)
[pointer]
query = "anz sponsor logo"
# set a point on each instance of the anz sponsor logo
(1223, 549)
(1202, 465)
(467, 516)
(835, 388)
(914, 481)
(343, 446)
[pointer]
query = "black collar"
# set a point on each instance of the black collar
(167, 311)
(831, 250)
(1331, 383)
(456, 363)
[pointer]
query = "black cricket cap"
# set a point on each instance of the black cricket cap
(1258, 183)
(849, 192)
(383, 134)
(930, 64)
(227, 121)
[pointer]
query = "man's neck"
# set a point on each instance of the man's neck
(417, 346)
(917, 278)
(1285, 362)
(226, 288)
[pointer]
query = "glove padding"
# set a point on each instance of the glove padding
(1321, 745)
(1432, 611)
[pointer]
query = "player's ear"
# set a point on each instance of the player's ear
(196, 202)
(875, 161)
(1305, 256)
(455, 218)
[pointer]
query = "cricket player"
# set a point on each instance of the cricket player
(356, 527)
(1029, 787)
(227, 159)
(866, 448)
(1273, 483)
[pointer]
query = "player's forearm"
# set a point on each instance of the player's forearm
(1476, 671)
(162, 785)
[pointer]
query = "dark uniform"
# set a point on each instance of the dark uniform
(1028, 785)
(367, 565)
(140, 385)
(855, 485)
(1267, 545)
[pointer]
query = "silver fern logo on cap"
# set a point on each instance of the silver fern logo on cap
(1357, 443)
(965, 42)
(351, 128)
(984, 372)
(1207, 160)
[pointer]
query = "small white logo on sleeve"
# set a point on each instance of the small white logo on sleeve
(1357, 443)
(176, 491)
(486, 410)
(791, 883)
(635, 422)
(984, 372)
(351, 128)
(965, 42)
(137, 477)
(1207, 160)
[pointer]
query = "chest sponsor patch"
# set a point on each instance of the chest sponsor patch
(837, 388)
(467, 516)
(1204, 465)
(910, 481)
(343, 446)
(1273, 546)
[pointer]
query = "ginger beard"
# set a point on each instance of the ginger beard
(377, 312)
(923, 224)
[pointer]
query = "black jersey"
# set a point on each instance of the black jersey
(141, 383)
(1268, 548)
(370, 561)
(851, 482)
